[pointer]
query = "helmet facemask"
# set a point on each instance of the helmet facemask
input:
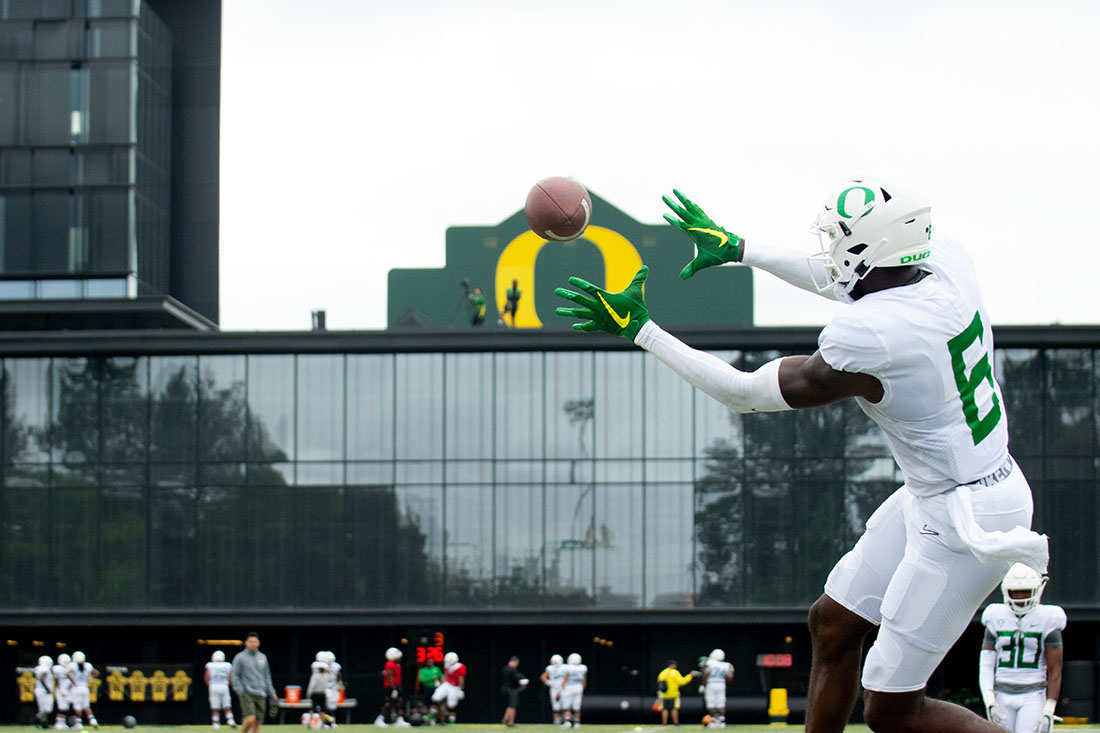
(1025, 582)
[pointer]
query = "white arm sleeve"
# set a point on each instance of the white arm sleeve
(741, 391)
(790, 266)
(987, 662)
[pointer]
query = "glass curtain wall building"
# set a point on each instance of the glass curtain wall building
(524, 479)
(85, 148)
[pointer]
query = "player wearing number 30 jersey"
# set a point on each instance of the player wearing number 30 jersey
(915, 348)
(1020, 670)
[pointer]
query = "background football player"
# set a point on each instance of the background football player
(336, 685)
(80, 671)
(453, 688)
(1020, 668)
(914, 347)
(717, 673)
(572, 690)
(62, 685)
(43, 690)
(552, 677)
(219, 676)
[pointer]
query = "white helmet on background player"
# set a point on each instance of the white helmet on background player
(865, 223)
(64, 660)
(718, 655)
(330, 657)
(393, 654)
(319, 657)
(1022, 578)
(44, 661)
(574, 658)
(78, 657)
(556, 660)
(218, 656)
(450, 658)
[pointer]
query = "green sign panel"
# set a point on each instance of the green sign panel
(510, 257)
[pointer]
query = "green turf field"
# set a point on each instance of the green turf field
(521, 728)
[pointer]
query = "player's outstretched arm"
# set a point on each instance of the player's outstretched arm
(620, 314)
(713, 244)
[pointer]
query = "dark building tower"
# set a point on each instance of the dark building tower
(90, 169)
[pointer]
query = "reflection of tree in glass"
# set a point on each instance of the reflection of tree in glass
(15, 432)
(233, 533)
(773, 503)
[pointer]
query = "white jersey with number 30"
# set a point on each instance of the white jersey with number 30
(930, 344)
(1021, 643)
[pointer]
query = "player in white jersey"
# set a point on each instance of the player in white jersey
(219, 677)
(1020, 668)
(43, 690)
(62, 686)
(572, 690)
(80, 671)
(915, 348)
(332, 694)
(717, 673)
(552, 677)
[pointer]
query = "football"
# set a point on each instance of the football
(558, 208)
(129, 721)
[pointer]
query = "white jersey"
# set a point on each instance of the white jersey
(334, 683)
(43, 674)
(555, 675)
(930, 344)
(576, 672)
(61, 674)
(717, 672)
(1021, 643)
(79, 673)
(219, 672)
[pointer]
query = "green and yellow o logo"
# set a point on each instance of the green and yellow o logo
(842, 200)
(517, 262)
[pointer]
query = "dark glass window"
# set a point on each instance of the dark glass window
(48, 119)
(9, 106)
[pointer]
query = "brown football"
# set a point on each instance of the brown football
(558, 208)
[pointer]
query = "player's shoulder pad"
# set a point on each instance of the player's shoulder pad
(1057, 616)
(991, 612)
(851, 343)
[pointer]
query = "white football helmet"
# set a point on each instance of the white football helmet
(574, 658)
(393, 654)
(218, 656)
(865, 223)
(556, 660)
(450, 658)
(64, 660)
(78, 657)
(718, 655)
(1021, 577)
(330, 657)
(319, 657)
(45, 662)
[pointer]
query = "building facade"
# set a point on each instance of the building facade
(528, 492)
(89, 122)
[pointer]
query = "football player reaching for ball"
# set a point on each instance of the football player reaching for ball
(914, 347)
(1020, 667)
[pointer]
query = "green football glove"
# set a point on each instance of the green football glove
(621, 314)
(714, 245)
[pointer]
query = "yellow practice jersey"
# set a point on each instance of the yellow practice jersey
(673, 679)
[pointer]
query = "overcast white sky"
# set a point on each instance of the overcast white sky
(354, 132)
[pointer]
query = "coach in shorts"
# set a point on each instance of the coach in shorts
(252, 683)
